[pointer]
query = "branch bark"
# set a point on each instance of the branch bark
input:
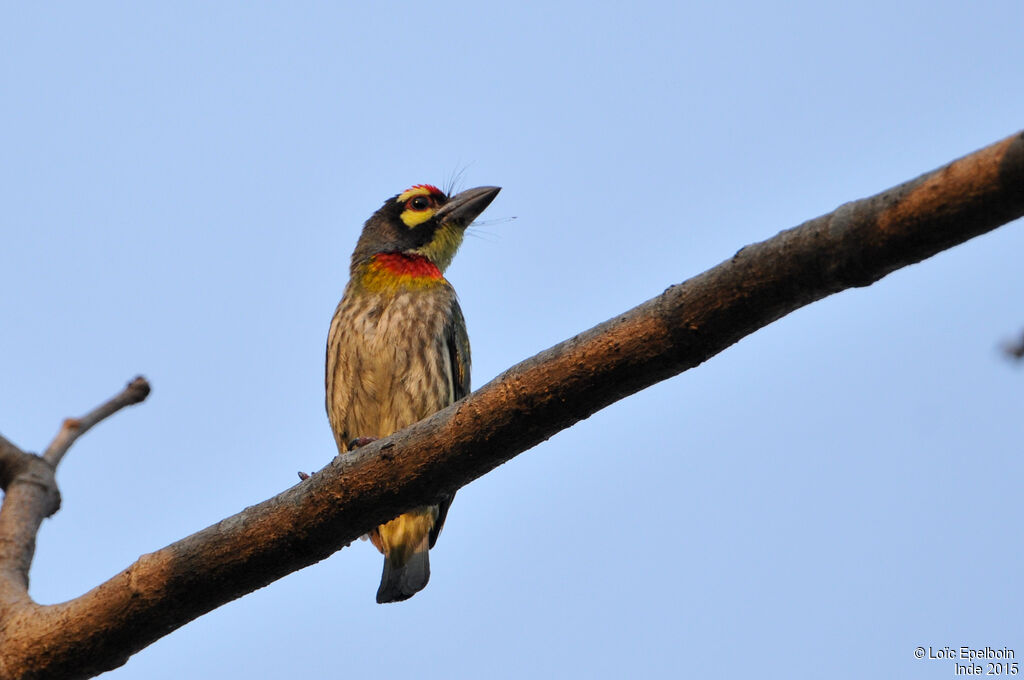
(855, 245)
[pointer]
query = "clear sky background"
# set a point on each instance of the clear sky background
(181, 188)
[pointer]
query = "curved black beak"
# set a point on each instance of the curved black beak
(464, 207)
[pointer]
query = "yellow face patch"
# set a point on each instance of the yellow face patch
(418, 211)
(412, 218)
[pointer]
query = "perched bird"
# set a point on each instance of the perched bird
(397, 350)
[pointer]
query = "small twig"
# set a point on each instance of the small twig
(73, 428)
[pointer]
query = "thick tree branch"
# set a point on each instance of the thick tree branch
(856, 245)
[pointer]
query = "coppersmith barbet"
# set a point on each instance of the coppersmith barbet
(397, 350)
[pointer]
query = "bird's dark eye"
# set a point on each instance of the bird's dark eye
(419, 203)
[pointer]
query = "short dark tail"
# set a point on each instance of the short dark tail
(399, 583)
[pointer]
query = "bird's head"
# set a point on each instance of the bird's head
(422, 222)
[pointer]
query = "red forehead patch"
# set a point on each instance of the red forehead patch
(429, 187)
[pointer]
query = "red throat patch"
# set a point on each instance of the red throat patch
(400, 264)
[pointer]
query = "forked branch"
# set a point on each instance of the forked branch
(31, 495)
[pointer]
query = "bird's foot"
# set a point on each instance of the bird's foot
(354, 444)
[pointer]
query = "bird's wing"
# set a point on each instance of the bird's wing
(458, 351)
(457, 341)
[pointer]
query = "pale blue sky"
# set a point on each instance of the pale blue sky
(182, 186)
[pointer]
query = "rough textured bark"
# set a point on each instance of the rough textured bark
(855, 245)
